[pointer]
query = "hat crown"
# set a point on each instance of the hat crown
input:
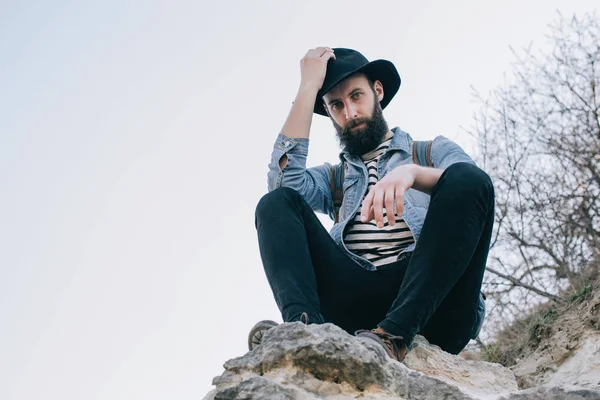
(346, 60)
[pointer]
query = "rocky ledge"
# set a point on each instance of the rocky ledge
(296, 361)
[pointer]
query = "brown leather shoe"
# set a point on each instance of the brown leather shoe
(394, 346)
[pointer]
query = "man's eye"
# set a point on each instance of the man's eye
(335, 106)
(356, 95)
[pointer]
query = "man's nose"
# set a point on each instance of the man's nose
(350, 110)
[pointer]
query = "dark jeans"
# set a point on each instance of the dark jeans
(433, 291)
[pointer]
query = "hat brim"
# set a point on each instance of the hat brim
(377, 70)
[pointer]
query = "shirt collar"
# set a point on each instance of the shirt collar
(378, 151)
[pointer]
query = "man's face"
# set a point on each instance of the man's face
(353, 106)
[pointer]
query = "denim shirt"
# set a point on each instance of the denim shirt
(314, 185)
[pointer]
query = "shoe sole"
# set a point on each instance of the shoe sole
(257, 332)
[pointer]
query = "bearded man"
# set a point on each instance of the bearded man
(408, 250)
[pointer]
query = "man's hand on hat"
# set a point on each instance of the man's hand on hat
(383, 193)
(313, 67)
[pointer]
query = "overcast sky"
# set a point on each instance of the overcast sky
(134, 143)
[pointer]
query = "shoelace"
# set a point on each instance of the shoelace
(390, 342)
(388, 339)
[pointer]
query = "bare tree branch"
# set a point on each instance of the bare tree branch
(528, 287)
(539, 140)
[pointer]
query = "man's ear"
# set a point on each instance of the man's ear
(378, 87)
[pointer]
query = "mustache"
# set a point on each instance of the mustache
(355, 122)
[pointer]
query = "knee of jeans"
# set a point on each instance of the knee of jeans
(468, 180)
(274, 199)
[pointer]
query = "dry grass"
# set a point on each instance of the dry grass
(579, 311)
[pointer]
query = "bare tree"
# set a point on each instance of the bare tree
(539, 138)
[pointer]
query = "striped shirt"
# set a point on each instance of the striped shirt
(381, 246)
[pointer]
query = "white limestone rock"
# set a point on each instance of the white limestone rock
(296, 361)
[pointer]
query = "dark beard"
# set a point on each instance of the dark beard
(363, 140)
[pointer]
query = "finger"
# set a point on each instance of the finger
(366, 212)
(370, 214)
(318, 51)
(323, 49)
(378, 207)
(389, 205)
(399, 202)
(327, 55)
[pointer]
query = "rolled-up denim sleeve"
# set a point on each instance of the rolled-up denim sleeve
(445, 152)
(312, 183)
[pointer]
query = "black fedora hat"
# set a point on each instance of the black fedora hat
(348, 62)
